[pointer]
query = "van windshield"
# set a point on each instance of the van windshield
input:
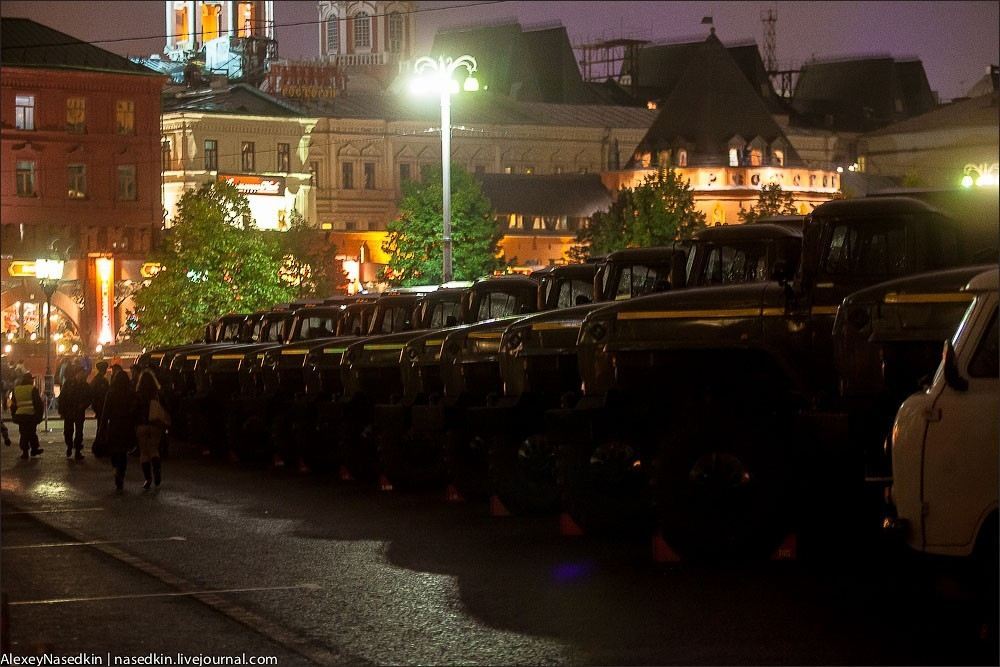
(888, 247)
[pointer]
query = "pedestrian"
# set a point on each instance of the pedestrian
(151, 422)
(27, 408)
(117, 427)
(86, 364)
(73, 401)
(99, 389)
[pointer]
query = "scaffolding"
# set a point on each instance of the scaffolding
(615, 59)
(782, 78)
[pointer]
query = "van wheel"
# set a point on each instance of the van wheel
(722, 486)
(522, 473)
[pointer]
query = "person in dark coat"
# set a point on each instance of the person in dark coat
(28, 409)
(73, 401)
(99, 389)
(117, 427)
(149, 426)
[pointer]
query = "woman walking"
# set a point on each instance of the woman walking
(151, 421)
(117, 427)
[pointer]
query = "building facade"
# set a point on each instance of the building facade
(80, 144)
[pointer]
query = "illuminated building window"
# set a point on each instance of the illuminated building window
(555, 170)
(26, 181)
(718, 215)
(210, 21)
(734, 157)
(755, 157)
(166, 155)
(126, 182)
(682, 158)
(333, 36)
(404, 172)
(125, 116)
(248, 156)
(284, 158)
(347, 176)
(515, 221)
(779, 157)
(314, 174)
(76, 181)
(362, 31)
(861, 163)
(211, 155)
(395, 32)
(508, 170)
(76, 114)
(369, 168)
(246, 19)
(181, 25)
(24, 112)
(529, 170)
(663, 158)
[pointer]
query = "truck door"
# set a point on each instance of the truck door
(960, 447)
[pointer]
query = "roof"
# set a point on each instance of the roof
(528, 64)
(235, 99)
(572, 195)
(26, 43)
(975, 112)
(485, 107)
(861, 94)
(756, 231)
(712, 102)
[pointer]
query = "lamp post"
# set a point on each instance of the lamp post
(48, 272)
(435, 76)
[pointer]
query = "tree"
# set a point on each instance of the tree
(309, 265)
(213, 262)
(414, 241)
(772, 200)
(658, 211)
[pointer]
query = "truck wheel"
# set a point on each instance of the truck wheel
(721, 485)
(523, 473)
(410, 459)
(466, 460)
(604, 488)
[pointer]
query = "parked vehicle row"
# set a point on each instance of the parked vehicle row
(721, 394)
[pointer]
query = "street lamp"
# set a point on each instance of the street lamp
(435, 76)
(48, 272)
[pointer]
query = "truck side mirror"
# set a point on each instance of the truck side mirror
(952, 377)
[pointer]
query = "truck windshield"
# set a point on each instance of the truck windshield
(442, 311)
(626, 282)
(888, 247)
(394, 318)
(568, 291)
(496, 304)
(733, 264)
(317, 327)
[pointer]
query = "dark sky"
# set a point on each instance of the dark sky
(956, 41)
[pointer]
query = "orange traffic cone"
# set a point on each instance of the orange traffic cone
(497, 508)
(663, 552)
(788, 550)
(452, 495)
(568, 527)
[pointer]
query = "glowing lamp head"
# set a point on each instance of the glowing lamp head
(967, 181)
(75, 348)
(471, 84)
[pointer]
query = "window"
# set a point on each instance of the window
(126, 182)
(369, 175)
(209, 22)
(362, 31)
(313, 173)
(395, 319)
(575, 292)
(638, 280)
(727, 265)
(125, 116)
(246, 19)
(181, 24)
(507, 170)
(26, 178)
(755, 157)
(497, 304)
(24, 112)
(284, 158)
(985, 362)
(445, 314)
(248, 156)
(347, 176)
(395, 32)
(76, 114)
(734, 157)
(211, 155)
(76, 181)
(332, 36)
(682, 158)
(779, 157)
(404, 172)
(166, 156)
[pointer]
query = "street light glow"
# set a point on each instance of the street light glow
(435, 76)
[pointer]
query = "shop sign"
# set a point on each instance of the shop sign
(256, 185)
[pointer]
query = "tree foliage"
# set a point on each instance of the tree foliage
(214, 261)
(772, 200)
(658, 211)
(414, 242)
(310, 266)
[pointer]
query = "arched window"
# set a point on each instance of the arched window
(755, 157)
(245, 23)
(718, 215)
(395, 32)
(682, 158)
(332, 36)
(362, 31)
(734, 157)
(779, 157)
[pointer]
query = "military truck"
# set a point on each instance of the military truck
(723, 404)
(538, 357)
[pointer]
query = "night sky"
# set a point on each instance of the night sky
(956, 41)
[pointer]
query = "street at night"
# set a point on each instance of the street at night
(224, 560)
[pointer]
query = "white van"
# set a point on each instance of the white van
(944, 441)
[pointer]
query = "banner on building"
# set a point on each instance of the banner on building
(256, 185)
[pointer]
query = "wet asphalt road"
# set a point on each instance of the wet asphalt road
(227, 560)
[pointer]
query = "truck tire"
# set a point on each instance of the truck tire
(721, 481)
(410, 459)
(522, 473)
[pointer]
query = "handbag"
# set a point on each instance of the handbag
(157, 414)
